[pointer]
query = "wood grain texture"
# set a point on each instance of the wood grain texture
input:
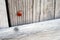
(33, 11)
(3, 15)
(25, 6)
(14, 7)
(36, 10)
(28, 11)
(20, 7)
(11, 11)
(57, 11)
(47, 10)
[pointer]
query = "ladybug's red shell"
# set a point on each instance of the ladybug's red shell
(19, 13)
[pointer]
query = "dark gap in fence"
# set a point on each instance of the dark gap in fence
(7, 8)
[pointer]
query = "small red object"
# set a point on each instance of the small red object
(19, 13)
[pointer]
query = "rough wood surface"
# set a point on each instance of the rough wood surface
(25, 6)
(3, 15)
(28, 11)
(47, 10)
(57, 9)
(32, 10)
(36, 10)
(13, 9)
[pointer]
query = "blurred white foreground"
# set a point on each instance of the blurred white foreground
(48, 30)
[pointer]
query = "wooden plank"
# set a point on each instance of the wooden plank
(20, 7)
(12, 9)
(3, 15)
(47, 10)
(24, 11)
(32, 11)
(25, 6)
(24, 30)
(28, 11)
(57, 11)
(36, 10)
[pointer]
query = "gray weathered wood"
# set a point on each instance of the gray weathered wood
(47, 10)
(28, 11)
(3, 15)
(57, 11)
(25, 6)
(12, 9)
(20, 7)
(36, 10)
(24, 11)
(33, 11)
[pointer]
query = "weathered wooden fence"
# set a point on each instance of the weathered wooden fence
(33, 10)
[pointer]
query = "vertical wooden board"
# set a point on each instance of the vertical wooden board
(20, 7)
(24, 11)
(3, 15)
(28, 11)
(36, 10)
(10, 11)
(25, 6)
(57, 11)
(47, 10)
(14, 7)
(13, 11)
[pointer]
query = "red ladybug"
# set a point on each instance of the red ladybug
(19, 13)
